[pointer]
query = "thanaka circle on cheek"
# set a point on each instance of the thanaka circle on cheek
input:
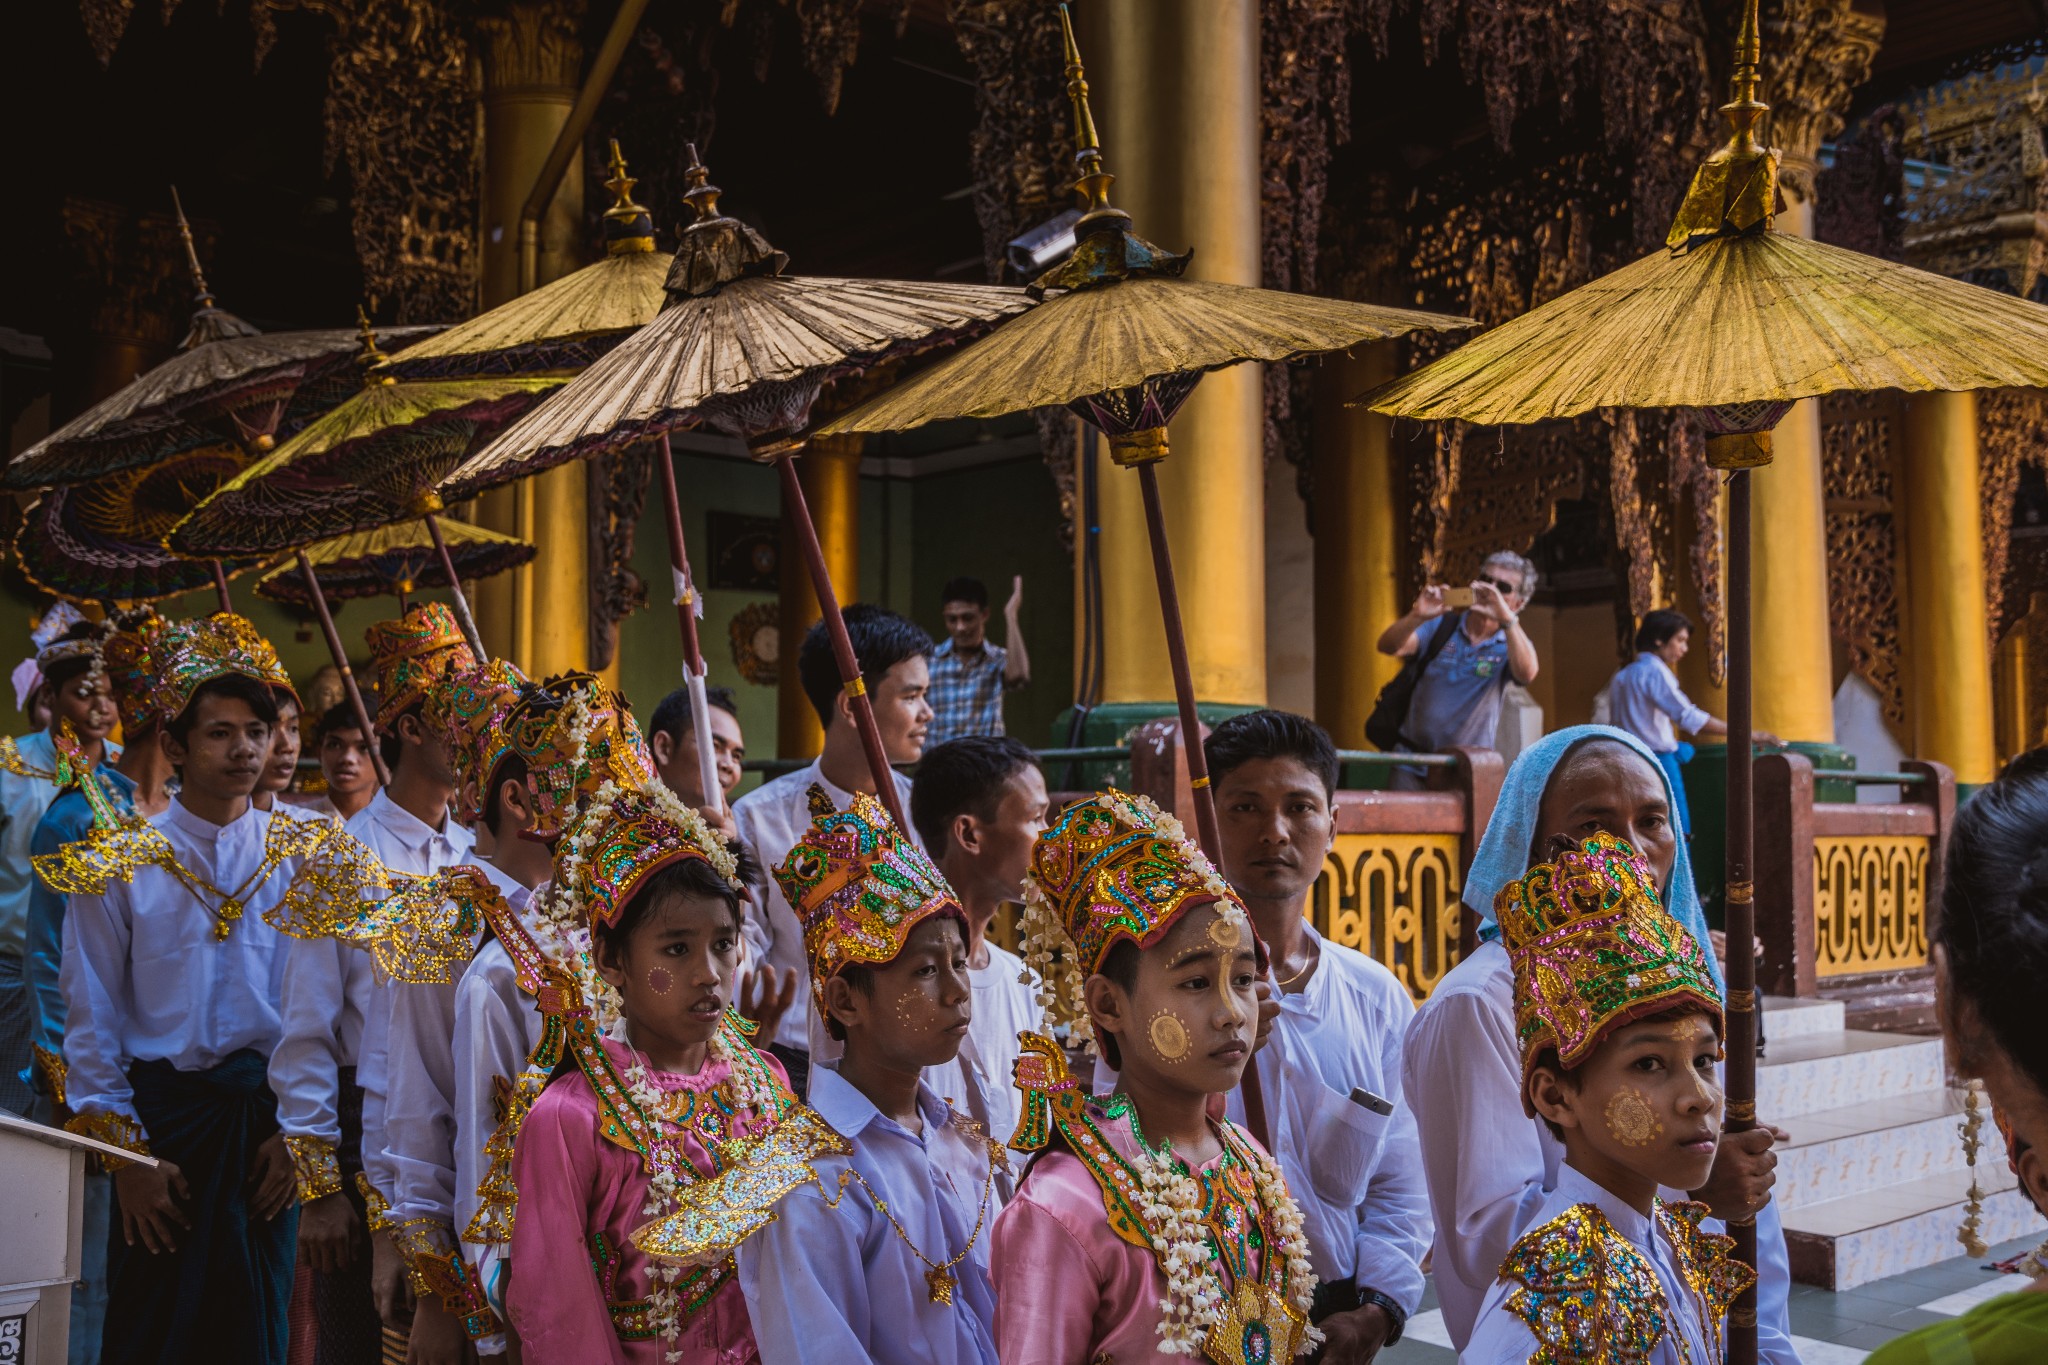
(1630, 1119)
(1169, 1036)
(660, 980)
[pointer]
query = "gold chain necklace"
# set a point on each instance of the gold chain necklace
(231, 904)
(939, 1277)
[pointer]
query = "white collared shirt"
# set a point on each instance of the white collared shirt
(144, 976)
(770, 820)
(497, 1026)
(1491, 1166)
(404, 843)
(1356, 1174)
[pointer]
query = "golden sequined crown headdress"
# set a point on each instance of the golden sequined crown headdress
(189, 654)
(575, 735)
(469, 708)
(1593, 948)
(413, 652)
(129, 657)
(624, 837)
(1109, 868)
(859, 886)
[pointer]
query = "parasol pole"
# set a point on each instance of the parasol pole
(1741, 916)
(686, 616)
(782, 453)
(1207, 833)
(220, 586)
(348, 677)
(430, 515)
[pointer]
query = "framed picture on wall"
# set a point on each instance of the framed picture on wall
(744, 551)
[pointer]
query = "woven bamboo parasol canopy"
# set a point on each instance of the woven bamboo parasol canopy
(395, 561)
(103, 541)
(745, 349)
(565, 324)
(227, 383)
(1734, 321)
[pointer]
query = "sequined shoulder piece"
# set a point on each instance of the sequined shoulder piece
(88, 866)
(337, 874)
(713, 1217)
(422, 932)
(11, 761)
(1706, 1259)
(1588, 1296)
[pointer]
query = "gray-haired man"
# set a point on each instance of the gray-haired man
(1457, 699)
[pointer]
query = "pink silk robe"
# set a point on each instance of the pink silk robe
(576, 1187)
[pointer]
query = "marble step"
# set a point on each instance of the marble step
(1787, 1016)
(1806, 1074)
(1846, 1242)
(1836, 1153)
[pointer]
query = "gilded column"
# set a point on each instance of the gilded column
(829, 469)
(1178, 105)
(1357, 542)
(1947, 635)
(1819, 51)
(532, 63)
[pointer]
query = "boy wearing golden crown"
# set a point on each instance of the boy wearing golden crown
(882, 1257)
(329, 1067)
(1619, 1024)
(1149, 1227)
(163, 913)
(650, 1105)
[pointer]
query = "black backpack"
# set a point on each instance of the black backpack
(1390, 708)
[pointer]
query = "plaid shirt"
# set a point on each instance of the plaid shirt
(966, 692)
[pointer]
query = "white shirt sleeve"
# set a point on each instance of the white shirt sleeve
(324, 985)
(1394, 1225)
(495, 1027)
(97, 1002)
(419, 1102)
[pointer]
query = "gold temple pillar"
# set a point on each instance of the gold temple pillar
(1177, 98)
(1947, 635)
(1357, 542)
(532, 64)
(829, 469)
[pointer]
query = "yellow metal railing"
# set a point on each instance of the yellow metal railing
(1394, 897)
(1869, 903)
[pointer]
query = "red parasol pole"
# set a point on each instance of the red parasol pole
(220, 586)
(686, 616)
(794, 506)
(1741, 910)
(1207, 833)
(460, 602)
(348, 677)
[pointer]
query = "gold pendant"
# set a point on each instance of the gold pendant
(942, 1286)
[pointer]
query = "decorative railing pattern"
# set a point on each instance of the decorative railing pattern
(1394, 897)
(1869, 903)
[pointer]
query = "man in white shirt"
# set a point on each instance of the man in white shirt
(162, 915)
(979, 805)
(330, 1060)
(893, 653)
(1331, 1068)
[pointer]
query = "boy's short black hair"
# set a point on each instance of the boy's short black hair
(672, 717)
(1658, 627)
(1269, 734)
(962, 777)
(510, 768)
(964, 589)
(62, 672)
(861, 978)
(335, 720)
(260, 698)
(390, 747)
(881, 640)
(683, 877)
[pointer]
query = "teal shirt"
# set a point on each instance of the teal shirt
(2009, 1330)
(67, 820)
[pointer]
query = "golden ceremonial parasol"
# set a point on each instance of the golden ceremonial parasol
(103, 540)
(744, 349)
(395, 561)
(1122, 339)
(365, 464)
(1735, 322)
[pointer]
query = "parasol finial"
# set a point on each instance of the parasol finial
(202, 297)
(701, 195)
(628, 228)
(1735, 191)
(369, 358)
(1093, 181)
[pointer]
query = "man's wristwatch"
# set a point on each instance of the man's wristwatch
(1386, 1305)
